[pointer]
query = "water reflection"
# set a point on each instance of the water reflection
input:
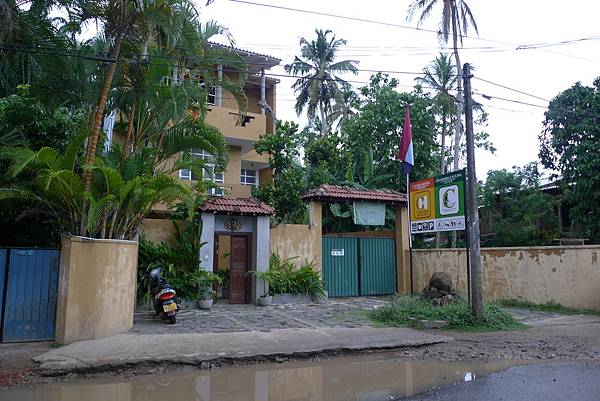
(349, 378)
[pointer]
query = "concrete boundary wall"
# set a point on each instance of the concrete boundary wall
(299, 241)
(96, 289)
(569, 275)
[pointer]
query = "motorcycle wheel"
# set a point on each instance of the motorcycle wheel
(172, 319)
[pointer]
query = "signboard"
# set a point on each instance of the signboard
(337, 252)
(438, 203)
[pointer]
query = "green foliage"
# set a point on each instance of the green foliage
(378, 126)
(285, 277)
(205, 281)
(282, 149)
(514, 211)
(403, 309)
(320, 83)
(327, 161)
(117, 203)
(551, 307)
(181, 260)
(39, 126)
(569, 144)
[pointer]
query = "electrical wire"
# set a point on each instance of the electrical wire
(391, 24)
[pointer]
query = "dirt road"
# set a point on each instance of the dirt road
(560, 338)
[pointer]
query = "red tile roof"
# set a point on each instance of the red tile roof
(334, 193)
(238, 206)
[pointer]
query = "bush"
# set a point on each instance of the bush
(284, 277)
(403, 309)
(181, 262)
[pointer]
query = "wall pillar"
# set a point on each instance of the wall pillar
(402, 251)
(262, 240)
(219, 88)
(263, 90)
(315, 219)
(207, 236)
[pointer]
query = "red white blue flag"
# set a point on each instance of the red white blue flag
(405, 152)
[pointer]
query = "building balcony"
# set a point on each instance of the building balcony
(243, 134)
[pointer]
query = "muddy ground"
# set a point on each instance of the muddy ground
(574, 338)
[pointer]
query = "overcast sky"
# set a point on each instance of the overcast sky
(513, 127)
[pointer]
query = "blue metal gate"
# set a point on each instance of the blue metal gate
(30, 278)
(354, 266)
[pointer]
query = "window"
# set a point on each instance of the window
(248, 177)
(217, 177)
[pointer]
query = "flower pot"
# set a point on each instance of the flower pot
(205, 304)
(265, 300)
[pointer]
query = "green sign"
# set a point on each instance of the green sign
(447, 212)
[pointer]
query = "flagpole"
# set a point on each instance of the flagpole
(409, 237)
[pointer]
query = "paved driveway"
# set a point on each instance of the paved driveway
(225, 318)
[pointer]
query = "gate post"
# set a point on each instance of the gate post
(316, 227)
(402, 251)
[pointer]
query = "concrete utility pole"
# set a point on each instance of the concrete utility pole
(473, 205)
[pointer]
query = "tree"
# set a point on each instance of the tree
(377, 127)
(440, 76)
(514, 212)
(283, 149)
(25, 117)
(456, 19)
(319, 84)
(569, 145)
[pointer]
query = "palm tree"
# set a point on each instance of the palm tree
(440, 76)
(456, 19)
(344, 107)
(320, 82)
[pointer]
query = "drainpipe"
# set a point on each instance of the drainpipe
(262, 91)
(219, 89)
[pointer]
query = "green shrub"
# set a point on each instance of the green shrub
(403, 309)
(180, 262)
(284, 277)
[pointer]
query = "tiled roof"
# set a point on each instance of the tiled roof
(334, 193)
(244, 51)
(238, 206)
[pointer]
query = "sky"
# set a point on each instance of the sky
(503, 26)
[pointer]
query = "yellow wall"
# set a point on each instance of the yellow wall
(569, 275)
(298, 241)
(159, 230)
(96, 289)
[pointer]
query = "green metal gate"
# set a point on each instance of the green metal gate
(377, 266)
(340, 266)
(354, 266)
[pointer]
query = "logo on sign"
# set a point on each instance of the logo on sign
(449, 203)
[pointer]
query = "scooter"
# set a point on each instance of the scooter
(164, 296)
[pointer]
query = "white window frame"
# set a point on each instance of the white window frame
(244, 177)
(217, 178)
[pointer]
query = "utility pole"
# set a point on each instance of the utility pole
(473, 206)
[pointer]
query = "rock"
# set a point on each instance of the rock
(430, 293)
(441, 281)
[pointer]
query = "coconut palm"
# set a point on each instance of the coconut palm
(319, 84)
(456, 19)
(440, 76)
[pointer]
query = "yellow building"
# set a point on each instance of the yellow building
(235, 229)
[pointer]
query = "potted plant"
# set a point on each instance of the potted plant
(206, 294)
(266, 277)
(224, 276)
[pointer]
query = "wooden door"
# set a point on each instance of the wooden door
(238, 268)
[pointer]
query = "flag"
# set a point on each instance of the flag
(405, 152)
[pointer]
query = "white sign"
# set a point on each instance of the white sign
(430, 226)
(337, 252)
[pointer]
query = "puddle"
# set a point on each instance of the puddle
(359, 378)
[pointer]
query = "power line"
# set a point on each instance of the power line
(390, 24)
(560, 43)
(511, 89)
